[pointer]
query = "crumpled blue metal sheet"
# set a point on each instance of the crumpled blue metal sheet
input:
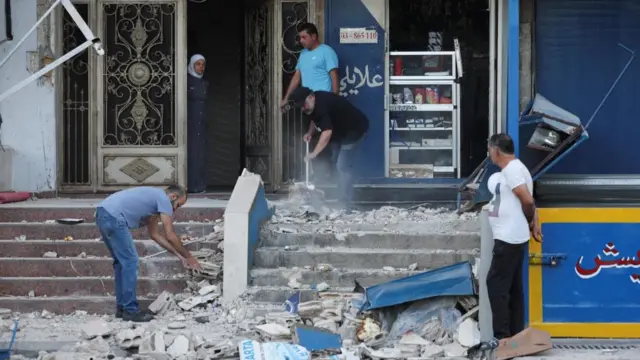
(453, 280)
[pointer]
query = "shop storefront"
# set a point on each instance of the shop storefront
(423, 73)
(588, 264)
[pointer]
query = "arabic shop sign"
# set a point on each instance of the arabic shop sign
(611, 260)
(357, 79)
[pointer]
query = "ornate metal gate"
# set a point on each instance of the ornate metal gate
(259, 124)
(140, 135)
(292, 14)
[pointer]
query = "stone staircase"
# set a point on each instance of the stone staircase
(80, 276)
(360, 255)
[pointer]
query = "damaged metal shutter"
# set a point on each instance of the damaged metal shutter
(578, 58)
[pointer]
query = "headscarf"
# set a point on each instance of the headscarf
(192, 65)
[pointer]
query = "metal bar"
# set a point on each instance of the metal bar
(46, 69)
(492, 67)
(613, 86)
(513, 72)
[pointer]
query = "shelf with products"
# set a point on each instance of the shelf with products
(422, 115)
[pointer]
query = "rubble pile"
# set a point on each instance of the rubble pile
(197, 325)
(288, 217)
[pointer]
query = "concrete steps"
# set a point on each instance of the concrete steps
(354, 258)
(359, 255)
(83, 286)
(73, 249)
(33, 230)
(81, 276)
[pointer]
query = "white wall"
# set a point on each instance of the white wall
(28, 115)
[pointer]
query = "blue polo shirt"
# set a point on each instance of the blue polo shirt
(135, 205)
(315, 65)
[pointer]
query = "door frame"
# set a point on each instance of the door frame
(96, 68)
(180, 98)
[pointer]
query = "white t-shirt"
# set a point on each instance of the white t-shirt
(506, 217)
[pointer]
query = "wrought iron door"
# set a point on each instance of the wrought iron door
(75, 119)
(293, 126)
(141, 84)
(258, 94)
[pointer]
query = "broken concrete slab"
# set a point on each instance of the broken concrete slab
(153, 343)
(96, 328)
(179, 346)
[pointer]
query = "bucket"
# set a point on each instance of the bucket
(5, 354)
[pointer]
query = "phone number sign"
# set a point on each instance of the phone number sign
(358, 36)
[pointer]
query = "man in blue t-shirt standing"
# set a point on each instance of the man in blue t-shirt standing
(131, 209)
(317, 67)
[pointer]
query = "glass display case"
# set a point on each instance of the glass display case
(422, 115)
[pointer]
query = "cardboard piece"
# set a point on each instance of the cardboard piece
(527, 342)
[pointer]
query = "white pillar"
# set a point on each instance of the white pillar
(486, 254)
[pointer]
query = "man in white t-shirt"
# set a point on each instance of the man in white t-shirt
(513, 219)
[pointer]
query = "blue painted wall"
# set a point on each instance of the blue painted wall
(259, 213)
(354, 14)
(577, 60)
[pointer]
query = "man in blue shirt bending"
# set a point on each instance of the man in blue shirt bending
(132, 209)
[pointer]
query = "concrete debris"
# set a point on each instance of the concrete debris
(179, 346)
(93, 329)
(130, 338)
(50, 255)
(290, 215)
(323, 286)
(274, 331)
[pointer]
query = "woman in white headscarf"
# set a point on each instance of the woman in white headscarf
(196, 125)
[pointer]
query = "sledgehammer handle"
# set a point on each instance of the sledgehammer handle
(306, 167)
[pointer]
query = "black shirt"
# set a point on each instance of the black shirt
(334, 112)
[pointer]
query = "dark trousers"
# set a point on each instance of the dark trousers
(505, 289)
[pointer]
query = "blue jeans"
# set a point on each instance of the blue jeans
(117, 237)
(345, 156)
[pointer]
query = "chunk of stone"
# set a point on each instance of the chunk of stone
(413, 267)
(163, 304)
(96, 345)
(324, 267)
(130, 338)
(50, 255)
(309, 308)
(202, 319)
(208, 289)
(176, 325)
(283, 318)
(5, 313)
(96, 328)
(454, 349)
(153, 343)
(323, 286)
(191, 302)
(274, 331)
(326, 324)
(468, 333)
(66, 355)
(31, 293)
(432, 351)
(388, 268)
(179, 346)
(150, 356)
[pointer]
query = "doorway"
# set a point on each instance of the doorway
(411, 22)
(215, 29)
